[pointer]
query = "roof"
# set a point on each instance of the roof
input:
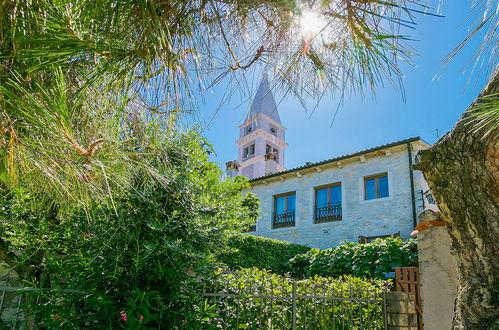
(264, 102)
(335, 159)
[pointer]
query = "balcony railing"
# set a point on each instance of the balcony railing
(329, 212)
(286, 219)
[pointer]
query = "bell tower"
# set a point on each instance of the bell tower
(261, 142)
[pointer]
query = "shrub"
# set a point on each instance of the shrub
(260, 252)
(370, 260)
(132, 258)
(256, 299)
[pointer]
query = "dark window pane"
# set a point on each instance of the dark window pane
(291, 202)
(370, 189)
(321, 197)
(383, 186)
(279, 205)
(335, 194)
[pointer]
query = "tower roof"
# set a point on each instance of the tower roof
(264, 102)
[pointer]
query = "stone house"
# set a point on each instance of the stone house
(355, 197)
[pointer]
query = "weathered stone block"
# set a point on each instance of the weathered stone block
(412, 320)
(399, 306)
(399, 296)
(411, 307)
(401, 320)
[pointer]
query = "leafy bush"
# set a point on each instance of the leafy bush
(133, 258)
(264, 253)
(370, 260)
(256, 299)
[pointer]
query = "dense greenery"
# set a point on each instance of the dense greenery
(370, 260)
(260, 252)
(247, 311)
(135, 255)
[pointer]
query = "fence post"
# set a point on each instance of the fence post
(385, 321)
(294, 305)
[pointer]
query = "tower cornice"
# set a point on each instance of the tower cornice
(261, 132)
(262, 115)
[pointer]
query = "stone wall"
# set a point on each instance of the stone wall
(437, 268)
(382, 216)
(401, 311)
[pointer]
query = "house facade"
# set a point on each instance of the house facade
(356, 197)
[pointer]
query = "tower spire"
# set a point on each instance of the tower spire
(264, 102)
(261, 141)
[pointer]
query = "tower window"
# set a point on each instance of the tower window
(249, 151)
(250, 128)
(273, 130)
(271, 152)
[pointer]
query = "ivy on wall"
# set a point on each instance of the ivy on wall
(260, 252)
(370, 260)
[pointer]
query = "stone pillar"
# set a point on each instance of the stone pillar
(401, 311)
(438, 274)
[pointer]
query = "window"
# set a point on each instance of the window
(249, 151)
(284, 210)
(250, 128)
(271, 152)
(273, 130)
(376, 186)
(328, 203)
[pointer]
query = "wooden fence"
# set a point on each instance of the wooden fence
(407, 280)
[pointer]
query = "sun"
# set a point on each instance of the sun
(311, 23)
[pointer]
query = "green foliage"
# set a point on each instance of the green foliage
(134, 256)
(260, 252)
(248, 311)
(73, 74)
(370, 260)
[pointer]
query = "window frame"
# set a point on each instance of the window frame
(249, 128)
(248, 148)
(286, 210)
(328, 187)
(289, 193)
(376, 177)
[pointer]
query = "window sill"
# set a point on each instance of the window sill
(383, 199)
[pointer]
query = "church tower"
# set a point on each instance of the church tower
(261, 138)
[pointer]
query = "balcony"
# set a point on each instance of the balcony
(282, 220)
(327, 213)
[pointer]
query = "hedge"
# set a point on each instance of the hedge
(370, 260)
(260, 252)
(244, 309)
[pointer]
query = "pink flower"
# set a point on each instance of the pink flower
(141, 318)
(123, 316)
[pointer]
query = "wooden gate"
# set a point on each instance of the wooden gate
(407, 280)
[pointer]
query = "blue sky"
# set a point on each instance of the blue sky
(431, 108)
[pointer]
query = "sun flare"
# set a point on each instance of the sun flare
(311, 24)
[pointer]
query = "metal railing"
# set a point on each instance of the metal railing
(260, 304)
(292, 305)
(329, 212)
(281, 220)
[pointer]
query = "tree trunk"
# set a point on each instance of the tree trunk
(462, 170)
